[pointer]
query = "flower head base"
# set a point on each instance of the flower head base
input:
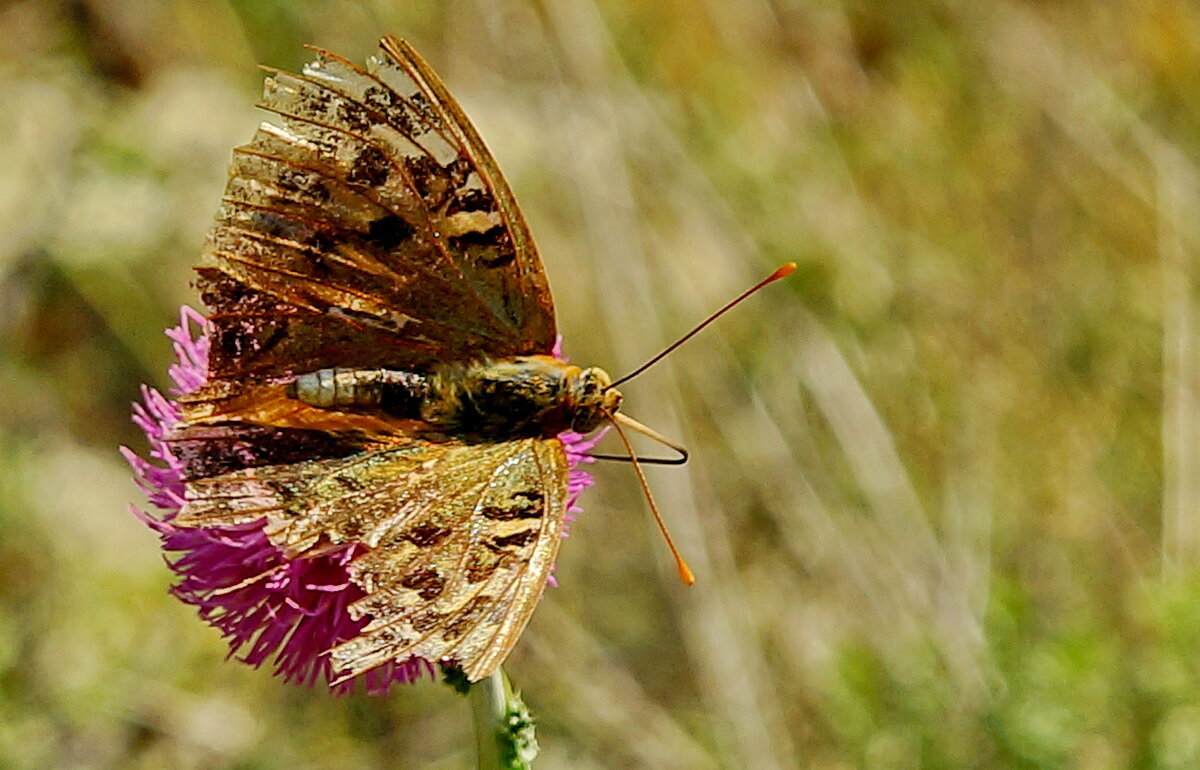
(267, 605)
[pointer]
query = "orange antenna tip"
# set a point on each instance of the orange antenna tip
(782, 272)
(685, 573)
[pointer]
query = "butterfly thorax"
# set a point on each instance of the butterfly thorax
(494, 400)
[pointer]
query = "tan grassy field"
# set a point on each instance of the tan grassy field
(944, 501)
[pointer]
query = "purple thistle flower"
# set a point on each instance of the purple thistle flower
(263, 602)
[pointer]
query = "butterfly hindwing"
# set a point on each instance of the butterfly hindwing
(461, 539)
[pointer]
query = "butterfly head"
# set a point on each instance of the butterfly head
(590, 397)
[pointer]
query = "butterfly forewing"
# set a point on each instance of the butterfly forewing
(462, 539)
(377, 227)
(526, 288)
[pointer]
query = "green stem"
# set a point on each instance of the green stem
(504, 734)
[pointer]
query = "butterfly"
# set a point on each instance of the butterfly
(381, 368)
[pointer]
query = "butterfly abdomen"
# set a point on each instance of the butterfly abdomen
(391, 390)
(500, 400)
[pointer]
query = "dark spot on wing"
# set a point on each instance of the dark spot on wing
(458, 170)
(426, 621)
(510, 514)
(426, 582)
(353, 116)
(306, 183)
(391, 637)
(389, 231)
(244, 341)
(321, 242)
(491, 237)
(518, 539)
(427, 176)
(313, 101)
(491, 248)
(371, 167)
(527, 505)
(347, 483)
(422, 107)
(481, 565)
(471, 200)
(391, 106)
(425, 535)
(280, 225)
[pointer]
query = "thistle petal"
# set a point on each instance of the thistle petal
(269, 607)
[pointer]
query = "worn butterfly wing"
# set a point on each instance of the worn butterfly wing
(370, 227)
(462, 539)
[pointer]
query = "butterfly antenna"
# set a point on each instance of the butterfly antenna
(685, 572)
(783, 272)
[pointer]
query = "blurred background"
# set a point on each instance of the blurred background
(944, 502)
